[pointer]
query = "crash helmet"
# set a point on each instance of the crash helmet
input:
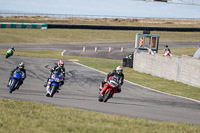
(60, 63)
(12, 48)
(21, 65)
(119, 69)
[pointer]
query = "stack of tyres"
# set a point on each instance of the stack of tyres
(127, 62)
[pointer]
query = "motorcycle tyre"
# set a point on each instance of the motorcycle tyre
(7, 56)
(100, 98)
(13, 85)
(53, 90)
(107, 96)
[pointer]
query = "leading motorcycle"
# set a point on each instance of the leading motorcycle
(9, 53)
(112, 84)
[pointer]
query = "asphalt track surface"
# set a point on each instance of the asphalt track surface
(102, 48)
(81, 91)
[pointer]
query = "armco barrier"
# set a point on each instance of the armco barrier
(24, 25)
(184, 69)
(96, 27)
(108, 27)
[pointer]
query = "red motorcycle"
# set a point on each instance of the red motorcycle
(112, 86)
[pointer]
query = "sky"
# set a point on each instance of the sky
(129, 8)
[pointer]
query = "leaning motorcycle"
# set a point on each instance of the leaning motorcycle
(54, 83)
(15, 80)
(9, 53)
(113, 84)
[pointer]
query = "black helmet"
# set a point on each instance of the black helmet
(21, 65)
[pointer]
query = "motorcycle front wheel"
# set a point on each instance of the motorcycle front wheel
(13, 85)
(53, 90)
(107, 96)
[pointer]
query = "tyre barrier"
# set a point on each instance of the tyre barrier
(96, 27)
(127, 62)
(107, 27)
(24, 25)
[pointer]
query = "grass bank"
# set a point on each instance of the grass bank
(85, 36)
(30, 117)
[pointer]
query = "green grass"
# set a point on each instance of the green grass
(30, 117)
(84, 36)
(181, 51)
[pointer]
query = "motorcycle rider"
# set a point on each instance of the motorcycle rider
(119, 73)
(58, 67)
(12, 50)
(21, 68)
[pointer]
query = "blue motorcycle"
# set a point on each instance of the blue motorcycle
(54, 83)
(15, 80)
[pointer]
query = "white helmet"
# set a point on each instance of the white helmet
(119, 69)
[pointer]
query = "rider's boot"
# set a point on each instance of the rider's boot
(45, 85)
(103, 90)
(100, 88)
(8, 82)
(101, 85)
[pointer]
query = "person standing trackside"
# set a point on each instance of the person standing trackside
(167, 51)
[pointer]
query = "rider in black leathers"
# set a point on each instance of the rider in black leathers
(21, 67)
(57, 67)
(60, 68)
(119, 73)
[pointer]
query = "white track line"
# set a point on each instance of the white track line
(141, 85)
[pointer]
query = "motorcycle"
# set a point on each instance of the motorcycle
(9, 53)
(113, 84)
(15, 80)
(54, 83)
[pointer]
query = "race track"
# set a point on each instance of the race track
(81, 91)
(102, 48)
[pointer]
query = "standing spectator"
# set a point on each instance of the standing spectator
(167, 51)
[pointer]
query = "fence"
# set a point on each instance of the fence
(184, 69)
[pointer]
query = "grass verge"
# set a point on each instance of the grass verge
(85, 36)
(30, 117)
